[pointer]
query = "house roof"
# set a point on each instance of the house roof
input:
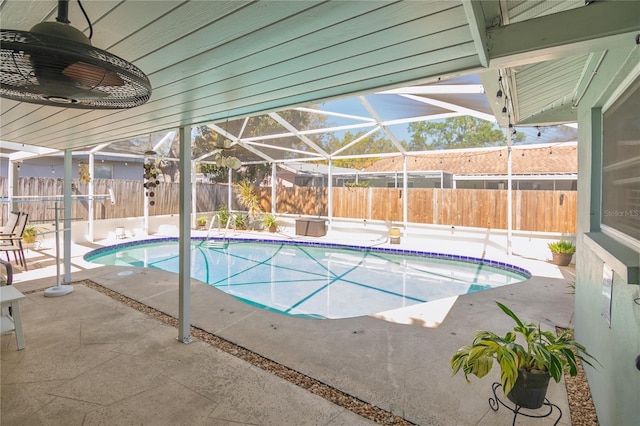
(547, 159)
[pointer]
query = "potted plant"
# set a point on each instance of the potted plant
(526, 370)
(562, 252)
(29, 234)
(270, 222)
(201, 222)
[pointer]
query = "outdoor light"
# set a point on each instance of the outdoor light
(499, 94)
(504, 110)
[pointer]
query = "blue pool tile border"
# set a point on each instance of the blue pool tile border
(433, 255)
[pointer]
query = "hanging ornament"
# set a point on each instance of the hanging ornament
(83, 172)
(150, 176)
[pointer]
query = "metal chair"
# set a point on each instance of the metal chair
(9, 228)
(13, 242)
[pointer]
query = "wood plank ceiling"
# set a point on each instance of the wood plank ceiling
(219, 60)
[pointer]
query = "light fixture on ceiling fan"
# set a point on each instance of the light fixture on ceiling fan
(55, 64)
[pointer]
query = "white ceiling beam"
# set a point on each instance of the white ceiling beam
(457, 108)
(98, 148)
(167, 137)
(297, 134)
(386, 131)
(13, 146)
(478, 28)
(333, 114)
(355, 141)
(444, 89)
(238, 140)
(421, 118)
(594, 27)
(282, 148)
(339, 128)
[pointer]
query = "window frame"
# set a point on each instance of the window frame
(633, 79)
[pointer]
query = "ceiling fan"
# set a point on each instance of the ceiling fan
(55, 64)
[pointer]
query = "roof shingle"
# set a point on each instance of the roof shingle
(525, 160)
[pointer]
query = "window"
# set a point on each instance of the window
(621, 163)
(102, 171)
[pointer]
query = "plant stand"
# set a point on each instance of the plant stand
(495, 403)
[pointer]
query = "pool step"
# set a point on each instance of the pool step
(222, 244)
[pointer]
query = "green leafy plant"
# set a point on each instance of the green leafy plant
(223, 215)
(29, 234)
(543, 351)
(201, 221)
(241, 221)
(248, 198)
(357, 185)
(270, 222)
(562, 247)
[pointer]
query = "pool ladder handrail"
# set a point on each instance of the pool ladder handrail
(221, 243)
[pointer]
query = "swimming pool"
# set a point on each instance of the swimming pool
(319, 280)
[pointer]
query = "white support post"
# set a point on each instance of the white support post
(63, 289)
(194, 196)
(68, 163)
(229, 188)
(12, 180)
(274, 172)
(330, 195)
(405, 186)
(145, 212)
(509, 196)
(184, 245)
(91, 194)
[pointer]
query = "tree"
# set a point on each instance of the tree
(373, 144)
(456, 132)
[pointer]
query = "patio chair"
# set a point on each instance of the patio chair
(13, 243)
(9, 228)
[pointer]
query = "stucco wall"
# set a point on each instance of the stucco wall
(615, 385)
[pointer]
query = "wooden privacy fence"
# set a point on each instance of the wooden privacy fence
(128, 195)
(544, 211)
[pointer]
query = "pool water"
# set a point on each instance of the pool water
(319, 281)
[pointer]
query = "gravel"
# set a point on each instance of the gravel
(583, 412)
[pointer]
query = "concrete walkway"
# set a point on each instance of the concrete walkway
(93, 360)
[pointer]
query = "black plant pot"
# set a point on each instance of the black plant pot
(530, 389)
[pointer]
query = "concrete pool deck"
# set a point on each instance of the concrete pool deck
(91, 359)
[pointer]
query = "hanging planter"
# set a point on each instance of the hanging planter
(150, 176)
(83, 172)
